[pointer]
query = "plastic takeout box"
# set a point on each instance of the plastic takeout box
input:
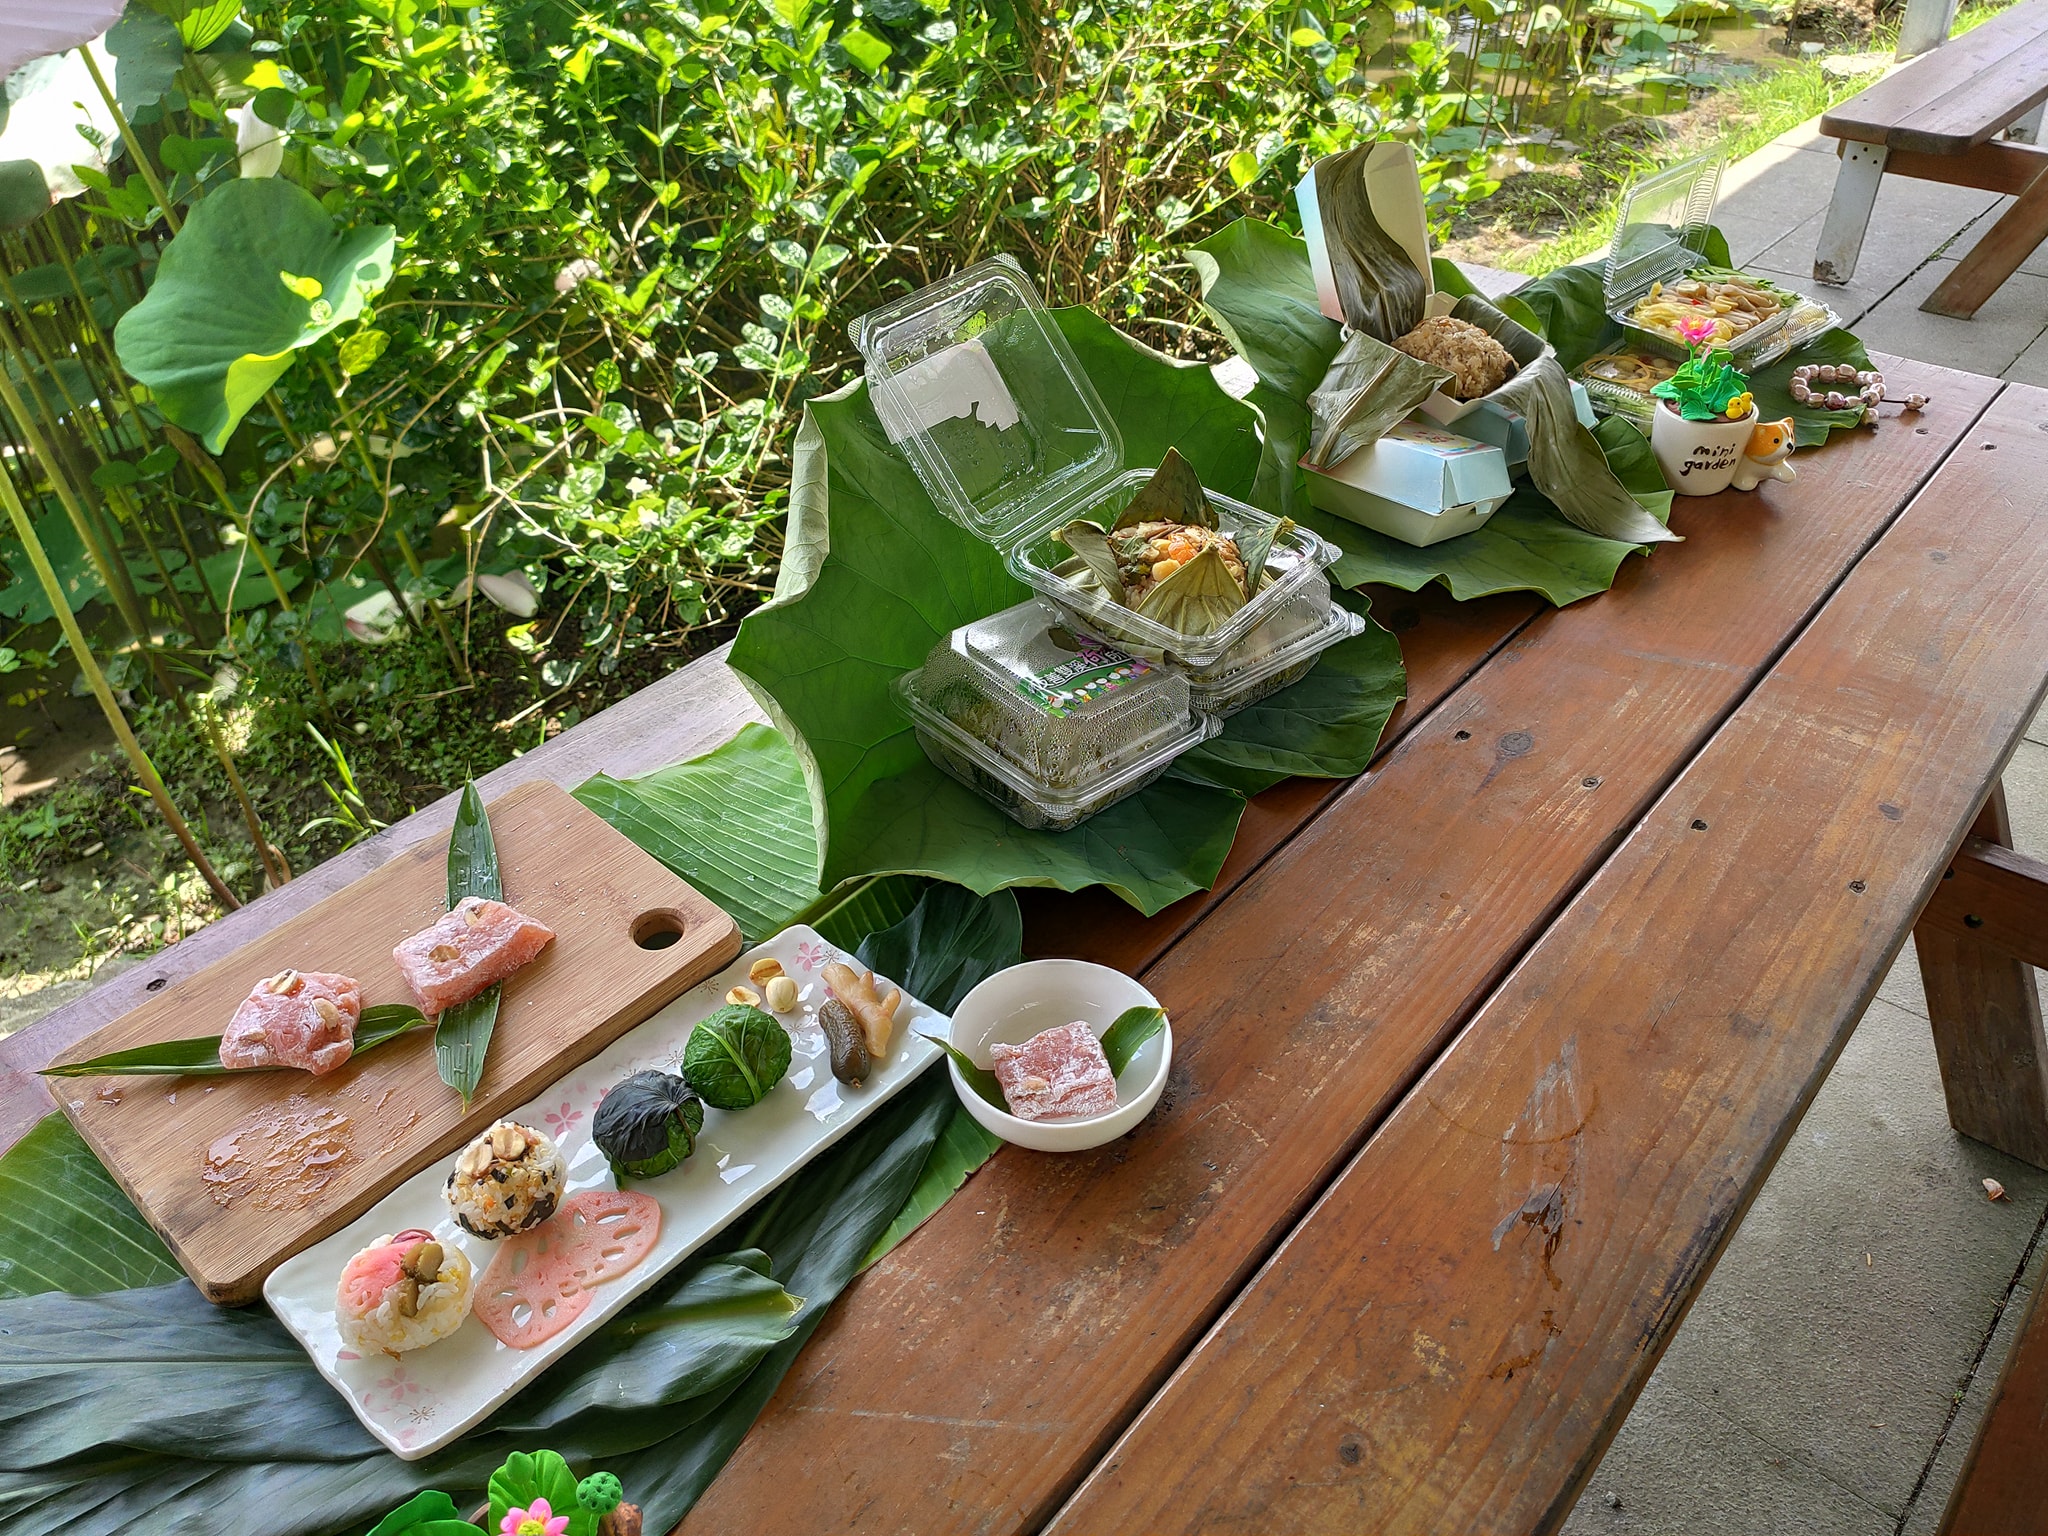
(976, 385)
(1049, 724)
(1660, 236)
(1277, 654)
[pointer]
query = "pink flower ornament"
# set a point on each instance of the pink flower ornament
(537, 1519)
(1696, 333)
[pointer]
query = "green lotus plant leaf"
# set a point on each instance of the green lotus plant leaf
(234, 300)
(877, 576)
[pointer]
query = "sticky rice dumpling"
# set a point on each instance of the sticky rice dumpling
(1478, 363)
(1167, 557)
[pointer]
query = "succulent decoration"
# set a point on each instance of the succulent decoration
(1706, 386)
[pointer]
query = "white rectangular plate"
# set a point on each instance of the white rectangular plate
(420, 1401)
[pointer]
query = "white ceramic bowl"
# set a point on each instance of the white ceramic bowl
(1012, 1006)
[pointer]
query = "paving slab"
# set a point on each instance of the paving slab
(1757, 192)
(2037, 260)
(2011, 320)
(1679, 1468)
(2026, 797)
(2038, 731)
(1912, 224)
(1856, 1294)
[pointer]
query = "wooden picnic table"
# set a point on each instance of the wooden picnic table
(1479, 1057)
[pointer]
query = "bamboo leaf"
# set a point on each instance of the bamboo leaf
(66, 1226)
(1133, 1027)
(463, 1037)
(472, 855)
(980, 1079)
(200, 1056)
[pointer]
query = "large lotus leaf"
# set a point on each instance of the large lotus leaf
(735, 823)
(235, 298)
(147, 52)
(882, 577)
(1257, 287)
(1326, 725)
(199, 22)
(34, 29)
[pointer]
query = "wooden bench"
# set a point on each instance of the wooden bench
(2003, 1489)
(1938, 118)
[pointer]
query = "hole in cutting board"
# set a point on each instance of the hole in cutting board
(659, 929)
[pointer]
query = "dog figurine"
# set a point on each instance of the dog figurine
(1770, 443)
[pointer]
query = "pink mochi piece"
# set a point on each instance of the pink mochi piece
(475, 946)
(1056, 1075)
(281, 1023)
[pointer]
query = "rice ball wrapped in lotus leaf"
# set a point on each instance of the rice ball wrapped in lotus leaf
(647, 1124)
(735, 1056)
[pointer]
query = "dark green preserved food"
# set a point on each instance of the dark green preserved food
(647, 1124)
(734, 1057)
(850, 1060)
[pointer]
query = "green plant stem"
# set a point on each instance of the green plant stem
(419, 572)
(96, 679)
(156, 187)
(122, 593)
(274, 864)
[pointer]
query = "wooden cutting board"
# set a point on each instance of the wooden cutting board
(295, 1157)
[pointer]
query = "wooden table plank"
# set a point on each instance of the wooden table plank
(1452, 1337)
(998, 1352)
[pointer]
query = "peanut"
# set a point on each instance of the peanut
(745, 997)
(781, 994)
(763, 971)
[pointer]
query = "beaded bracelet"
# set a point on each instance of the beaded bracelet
(1869, 391)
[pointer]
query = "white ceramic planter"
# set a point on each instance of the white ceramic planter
(1698, 457)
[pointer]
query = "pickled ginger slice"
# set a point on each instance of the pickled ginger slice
(304, 1019)
(475, 946)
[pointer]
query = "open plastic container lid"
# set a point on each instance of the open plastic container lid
(974, 382)
(1660, 230)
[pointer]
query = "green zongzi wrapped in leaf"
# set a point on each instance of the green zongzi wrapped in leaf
(1167, 557)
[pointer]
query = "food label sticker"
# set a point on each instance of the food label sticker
(1449, 443)
(961, 380)
(1098, 670)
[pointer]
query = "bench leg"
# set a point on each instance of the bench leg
(1983, 1003)
(1841, 235)
(1998, 255)
(2027, 130)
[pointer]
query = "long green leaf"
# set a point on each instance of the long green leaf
(961, 1148)
(948, 944)
(66, 1226)
(200, 1056)
(980, 1079)
(462, 1039)
(1130, 1030)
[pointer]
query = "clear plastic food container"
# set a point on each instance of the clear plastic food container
(1276, 654)
(974, 381)
(1048, 724)
(1660, 237)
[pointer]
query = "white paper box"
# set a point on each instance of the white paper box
(1505, 429)
(1419, 484)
